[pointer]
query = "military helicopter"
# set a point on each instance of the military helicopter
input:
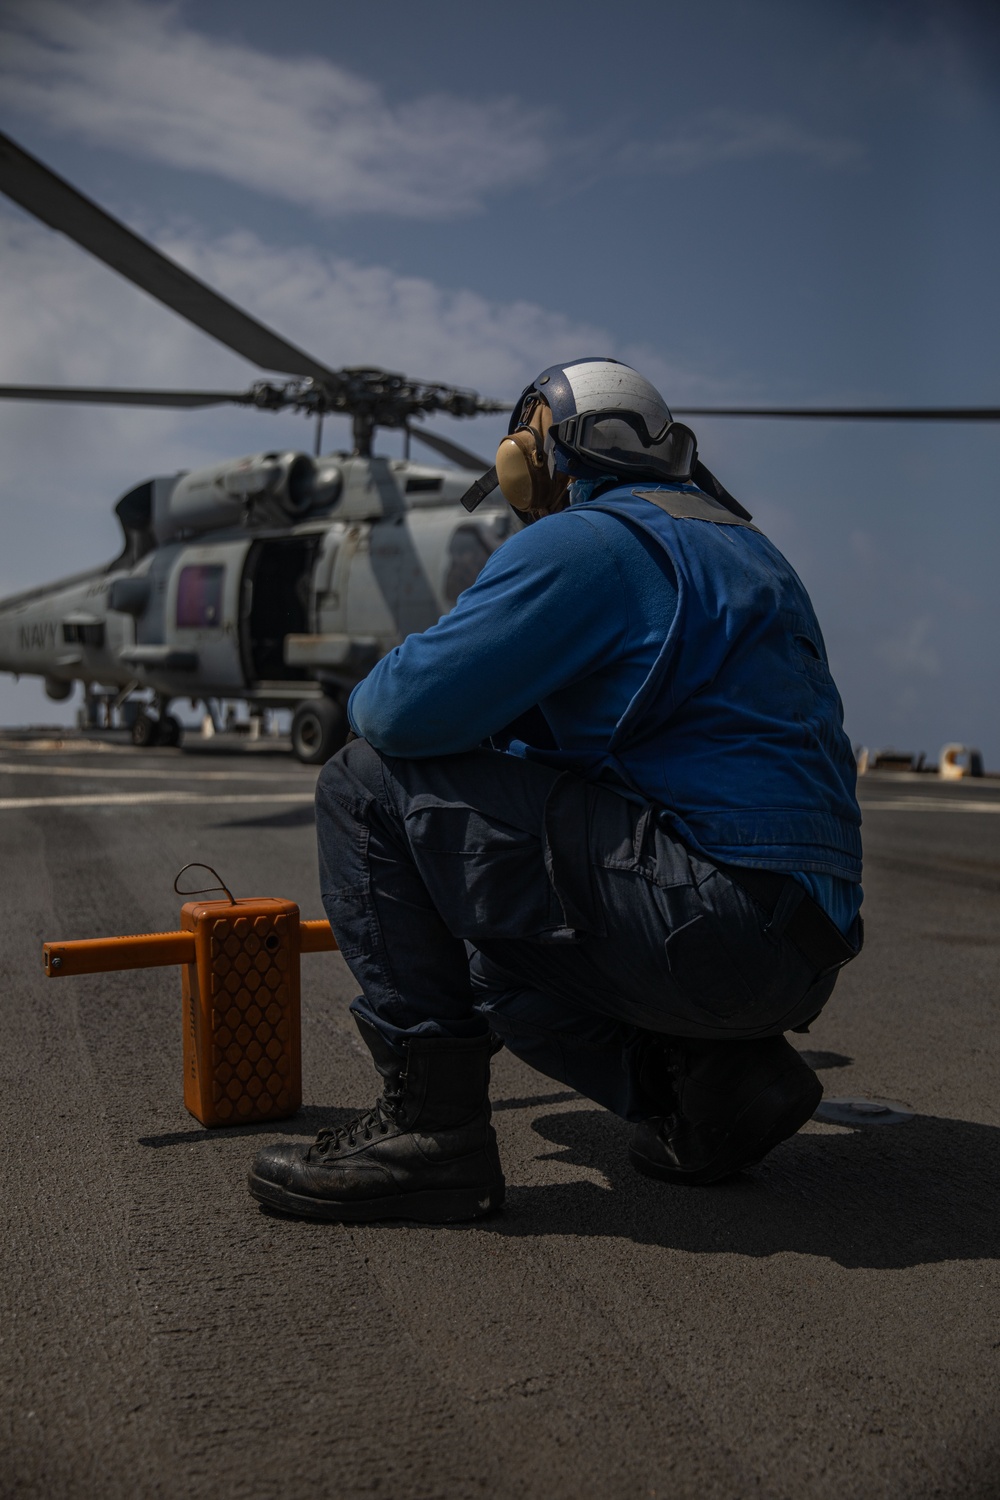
(277, 578)
(281, 577)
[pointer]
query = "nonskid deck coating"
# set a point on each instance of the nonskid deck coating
(826, 1325)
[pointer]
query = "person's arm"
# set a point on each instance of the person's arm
(548, 607)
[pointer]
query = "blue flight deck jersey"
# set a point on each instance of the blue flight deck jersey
(570, 615)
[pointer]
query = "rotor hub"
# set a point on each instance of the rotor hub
(371, 397)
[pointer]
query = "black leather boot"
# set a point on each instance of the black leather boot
(721, 1106)
(425, 1151)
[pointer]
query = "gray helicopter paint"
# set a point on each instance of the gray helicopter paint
(398, 570)
(396, 566)
(151, 625)
(392, 554)
(468, 551)
(323, 594)
(217, 644)
(469, 547)
(275, 487)
(33, 635)
(46, 591)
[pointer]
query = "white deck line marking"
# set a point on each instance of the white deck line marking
(929, 804)
(147, 799)
(10, 768)
(181, 798)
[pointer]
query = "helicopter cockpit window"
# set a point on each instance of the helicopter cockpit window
(199, 597)
(419, 485)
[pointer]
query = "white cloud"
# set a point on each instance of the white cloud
(64, 317)
(723, 135)
(135, 77)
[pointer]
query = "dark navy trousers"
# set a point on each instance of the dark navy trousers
(483, 892)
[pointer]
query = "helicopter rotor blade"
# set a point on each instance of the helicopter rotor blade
(456, 455)
(851, 413)
(98, 396)
(50, 198)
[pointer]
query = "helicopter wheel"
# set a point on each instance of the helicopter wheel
(145, 731)
(170, 730)
(319, 729)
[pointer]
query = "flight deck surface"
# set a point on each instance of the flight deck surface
(826, 1325)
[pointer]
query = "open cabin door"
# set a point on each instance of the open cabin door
(276, 584)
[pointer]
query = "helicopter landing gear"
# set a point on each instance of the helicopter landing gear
(145, 730)
(319, 729)
(162, 729)
(171, 730)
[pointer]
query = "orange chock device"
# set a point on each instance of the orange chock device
(241, 999)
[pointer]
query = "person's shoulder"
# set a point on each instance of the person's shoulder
(617, 521)
(561, 556)
(570, 532)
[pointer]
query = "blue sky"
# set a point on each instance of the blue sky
(766, 202)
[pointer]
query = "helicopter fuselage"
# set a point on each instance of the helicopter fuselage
(222, 594)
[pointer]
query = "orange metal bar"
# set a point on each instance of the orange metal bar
(316, 937)
(151, 950)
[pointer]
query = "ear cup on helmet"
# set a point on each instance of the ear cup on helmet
(522, 471)
(526, 478)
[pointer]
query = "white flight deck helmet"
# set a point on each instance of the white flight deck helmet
(589, 419)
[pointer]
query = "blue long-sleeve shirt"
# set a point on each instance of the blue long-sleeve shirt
(569, 615)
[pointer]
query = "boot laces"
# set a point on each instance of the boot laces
(381, 1118)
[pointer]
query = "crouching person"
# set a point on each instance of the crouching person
(603, 813)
